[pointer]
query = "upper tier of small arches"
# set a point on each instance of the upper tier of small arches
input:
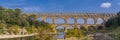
(74, 14)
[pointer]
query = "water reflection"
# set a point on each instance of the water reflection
(21, 38)
(60, 35)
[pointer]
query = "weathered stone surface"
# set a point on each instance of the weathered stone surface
(75, 16)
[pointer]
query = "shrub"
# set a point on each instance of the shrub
(2, 25)
(74, 33)
(17, 29)
(31, 29)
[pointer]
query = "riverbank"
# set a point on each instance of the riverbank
(16, 36)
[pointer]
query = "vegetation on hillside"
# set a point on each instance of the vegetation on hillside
(113, 26)
(13, 21)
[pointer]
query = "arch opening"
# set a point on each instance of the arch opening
(59, 27)
(60, 30)
(70, 21)
(90, 21)
(80, 21)
(49, 20)
(99, 21)
(59, 21)
(70, 27)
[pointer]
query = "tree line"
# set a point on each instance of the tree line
(113, 21)
(10, 17)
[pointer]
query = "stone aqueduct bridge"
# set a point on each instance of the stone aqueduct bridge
(75, 16)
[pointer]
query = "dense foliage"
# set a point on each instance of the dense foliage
(113, 26)
(113, 21)
(9, 17)
(14, 20)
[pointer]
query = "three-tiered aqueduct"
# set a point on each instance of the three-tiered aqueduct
(75, 16)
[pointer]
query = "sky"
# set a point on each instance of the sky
(63, 5)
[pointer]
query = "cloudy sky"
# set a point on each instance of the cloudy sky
(63, 5)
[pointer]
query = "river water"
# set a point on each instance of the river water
(60, 35)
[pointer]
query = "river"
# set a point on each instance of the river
(60, 35)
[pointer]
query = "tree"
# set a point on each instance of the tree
(1, 8)
(2, 13)
(113, 21)
(100, 27)
(118, 14)
(25, 23)
(10, 11)
(18, 12)
(32, 19)
(13, 18)
(2, 26)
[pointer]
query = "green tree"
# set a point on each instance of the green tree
(1, 8)
(113, 25)
(10, 11)
(2, 13)
(113, 21)
(18, 12)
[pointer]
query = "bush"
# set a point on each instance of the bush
(10, 30)
(74, 33)
(118, 36)
(100, 29)
(2, 25)
(17, 29)
(31, 29)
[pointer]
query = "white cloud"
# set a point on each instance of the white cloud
(106, 5)
(18, 0)
(32, 9)
(14, 4)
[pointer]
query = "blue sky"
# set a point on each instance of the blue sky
(63, 5)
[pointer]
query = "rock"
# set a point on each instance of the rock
(100, 36)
